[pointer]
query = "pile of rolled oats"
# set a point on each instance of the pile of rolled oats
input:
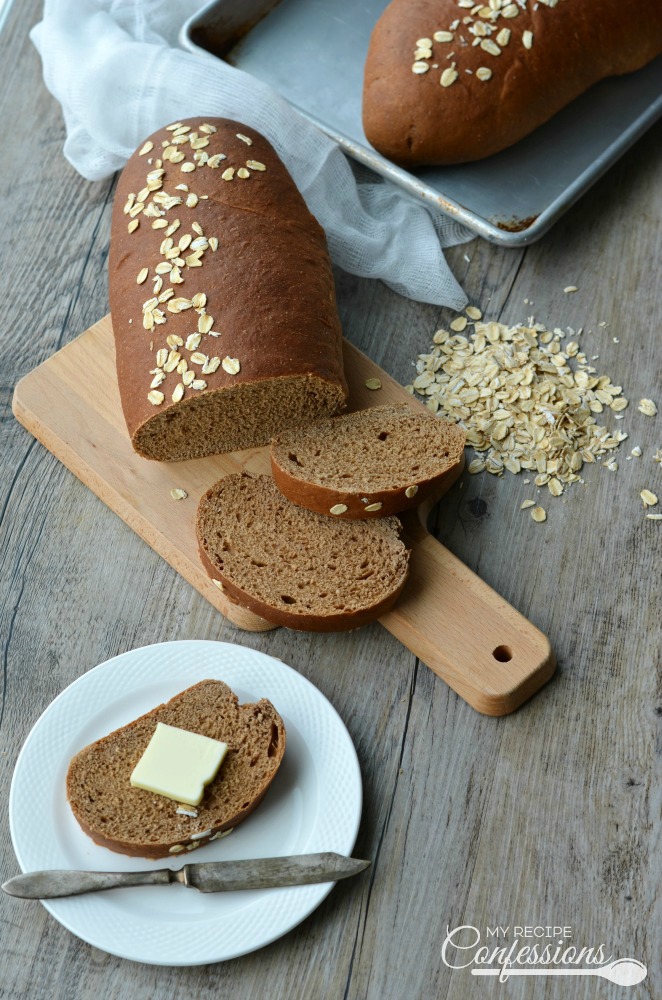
(528, 397)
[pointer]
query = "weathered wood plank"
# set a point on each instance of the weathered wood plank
(549, 816)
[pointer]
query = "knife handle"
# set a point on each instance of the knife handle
(53, 884)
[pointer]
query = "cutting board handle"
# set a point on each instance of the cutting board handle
(463, 630)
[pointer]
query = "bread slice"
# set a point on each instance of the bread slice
(294, 567)
(141, 824)
(368, 464)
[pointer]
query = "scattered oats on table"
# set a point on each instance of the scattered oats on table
(459, 324)
(647, 407)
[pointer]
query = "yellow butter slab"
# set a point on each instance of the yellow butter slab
(178, 764)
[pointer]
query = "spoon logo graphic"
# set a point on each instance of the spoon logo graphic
(627, 972)
(622, 972)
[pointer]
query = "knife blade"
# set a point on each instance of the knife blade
(209, 876)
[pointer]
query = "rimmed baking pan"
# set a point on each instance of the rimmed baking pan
(313, 52)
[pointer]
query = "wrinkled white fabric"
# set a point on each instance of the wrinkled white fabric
(116, 69)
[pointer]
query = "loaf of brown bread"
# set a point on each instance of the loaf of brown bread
(368, 464)
(447, 81)
(221, 294)
(141, 824)
(294, 567)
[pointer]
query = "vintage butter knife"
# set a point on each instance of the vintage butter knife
(210, 876)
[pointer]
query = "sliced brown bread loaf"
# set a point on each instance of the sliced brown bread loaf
(139, 823)
(368, 464)
(221, 294)
(294, 567)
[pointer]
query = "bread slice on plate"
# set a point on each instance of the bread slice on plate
(292, 566)
(368, 464)
(142, 824)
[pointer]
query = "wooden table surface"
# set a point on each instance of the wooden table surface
(550, 816)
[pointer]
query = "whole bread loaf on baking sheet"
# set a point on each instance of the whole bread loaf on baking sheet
(368, 464)
(221, 294)
(142, 824)
(449, 81)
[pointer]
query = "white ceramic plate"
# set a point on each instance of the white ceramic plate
(314, 804)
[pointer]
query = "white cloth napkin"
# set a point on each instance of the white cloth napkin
(116, 69)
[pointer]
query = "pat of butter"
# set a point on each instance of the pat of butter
(178, 764)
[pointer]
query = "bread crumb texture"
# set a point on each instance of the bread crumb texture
(294, 566)
(382, 448)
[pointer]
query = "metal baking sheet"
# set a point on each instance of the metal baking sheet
(313, 52)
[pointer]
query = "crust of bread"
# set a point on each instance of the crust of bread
(413, 120)
(145, 851)
(321, 499)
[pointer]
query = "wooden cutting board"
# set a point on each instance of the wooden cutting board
(482, 647)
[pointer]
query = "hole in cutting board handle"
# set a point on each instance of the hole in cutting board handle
(503, 654)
